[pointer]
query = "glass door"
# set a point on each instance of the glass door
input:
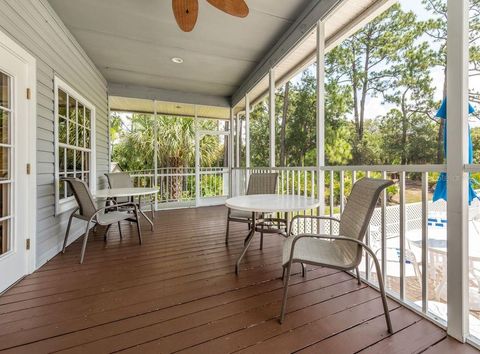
(14, 145)
(6, 147)
(212, 167)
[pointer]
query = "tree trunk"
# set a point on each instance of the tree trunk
(356, 154)
(286, 102)
(176, 182)
(363, 99)
(355, 93)
(404, 130)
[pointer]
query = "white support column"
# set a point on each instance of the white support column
(271, 110)
(108, 136)
(247, 132)
(321, 114)
(237, 138)
(197, 158)
(230, 154)
(457, 156)
(155, 151)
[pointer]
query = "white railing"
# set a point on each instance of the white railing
(291, 180)
(413, 263)
(177, 186)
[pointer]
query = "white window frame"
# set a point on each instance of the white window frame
(62, 206)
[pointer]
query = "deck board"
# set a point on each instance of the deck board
(178, 293)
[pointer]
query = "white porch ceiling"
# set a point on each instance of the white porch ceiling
(132, 42)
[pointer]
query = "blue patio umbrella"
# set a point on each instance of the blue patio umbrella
(441, 187)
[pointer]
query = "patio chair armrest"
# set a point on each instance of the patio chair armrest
(123, 204)
(297, 217)
(335, 238)
(116, 206)
(330, 237)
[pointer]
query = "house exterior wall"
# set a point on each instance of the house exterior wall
(35, 26)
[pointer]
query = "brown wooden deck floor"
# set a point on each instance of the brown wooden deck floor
(178, 292)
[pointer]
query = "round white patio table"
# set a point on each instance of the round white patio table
(129, 192)
(267, 203)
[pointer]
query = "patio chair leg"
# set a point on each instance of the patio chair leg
(152, 208)
(120, 230)
(67, 232)
(285, 292)
(359, 280)
(304, 270)
(106, 232)
(284, 268)
(85, 240)
(138, 227)
(382, 292)
(228, 230)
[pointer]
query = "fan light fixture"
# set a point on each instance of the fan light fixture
(177, 60)
(186, 11)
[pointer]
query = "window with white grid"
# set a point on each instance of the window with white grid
(74, 128)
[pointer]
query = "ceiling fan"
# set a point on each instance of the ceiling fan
(186, 11)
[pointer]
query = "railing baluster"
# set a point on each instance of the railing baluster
(288, 180)
(384, 231)
(312, 181)
(293, 182)
(298, 181)
(402, 235)
(424, 241)
(342, 191)
(169, 188)
(305, 184)
(367, 174)
(332, 176)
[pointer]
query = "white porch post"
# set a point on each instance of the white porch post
(237, 155)
(237, 139)
(457, 156)
(230, 154)
(271, 105)
(197, 158)
(155, 151)
(321, 115)
(108, 136)
(247, 132)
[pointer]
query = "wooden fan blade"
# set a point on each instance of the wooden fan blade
(186, 13)
(232, 7)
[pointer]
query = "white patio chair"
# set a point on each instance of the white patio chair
(88, 211)
(342, 252)
(124, 180)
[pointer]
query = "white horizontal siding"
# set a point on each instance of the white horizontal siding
(34, 25)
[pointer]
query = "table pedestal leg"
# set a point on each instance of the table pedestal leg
(247, 242)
